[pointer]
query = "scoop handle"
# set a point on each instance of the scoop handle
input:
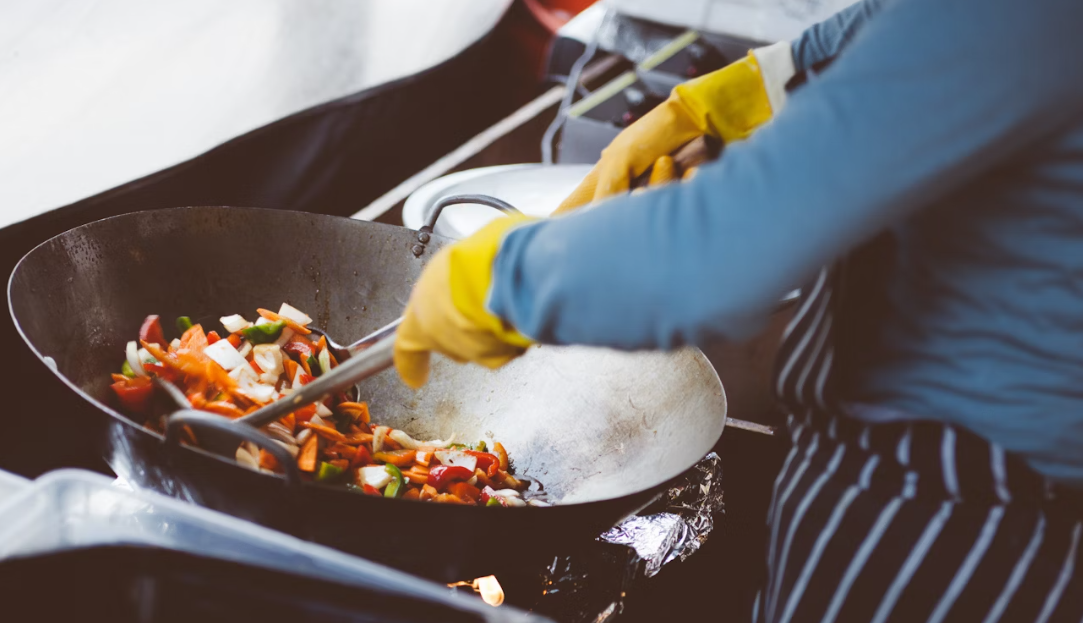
(369, 361)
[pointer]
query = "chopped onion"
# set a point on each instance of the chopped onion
(244, 350)
(294, 314)
(378, 435)
(175, 344)
(473, 480)
(319, 421)
(303, 436)
(269, 359)
(235, 323)
(456, 458)
(279, 431)
(505, 493)
(262, 321)
(131, 353)
(537, 503)
(223, 353)
(292, 449)
(514, 501)
(248, 384)
(404, 440)
(246, 459)
(375, 476)
(146, 357)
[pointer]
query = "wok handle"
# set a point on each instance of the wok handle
(199, 420)
(424, 235)
(376, 358)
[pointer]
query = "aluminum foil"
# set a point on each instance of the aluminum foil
(680, 521)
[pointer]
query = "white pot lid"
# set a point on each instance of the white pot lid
(535, 189)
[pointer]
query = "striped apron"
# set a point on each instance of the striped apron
(904, 521)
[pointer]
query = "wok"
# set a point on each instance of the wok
(602, 431)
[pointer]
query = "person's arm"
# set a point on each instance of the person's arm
(824, 41)
(933, 94)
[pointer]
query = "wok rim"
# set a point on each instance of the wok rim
(652, 490)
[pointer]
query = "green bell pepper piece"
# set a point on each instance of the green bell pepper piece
(126, 370)
(184, 323)
(458, 446)
(328, 472)
(263, 333)
(394, 488)
(493, 502)
(481, 447)
(313, 365)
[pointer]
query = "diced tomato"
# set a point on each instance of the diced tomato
(371, 490)
(134, 394)
(212, 337)
(235, 340)
(151, 331)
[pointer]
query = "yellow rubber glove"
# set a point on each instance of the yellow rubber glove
(446, 312)
(727, 104)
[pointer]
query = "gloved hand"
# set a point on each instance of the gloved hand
(446, 312)
(727, 104)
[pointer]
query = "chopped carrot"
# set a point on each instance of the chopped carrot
(416, 477)
(322, 344)
(213, 337)
(197, 400)
(411, 494)
(267, 460)
(424, 455)
(305, 413)
(448, 498)
(291, 368)
(359, 411)
(392, 444)
(464, 491)
(224, 407)
(359, 438)
(255, 366)
(400, 458)
(306, 368)
(306, 460)
(290, 422)
(326, 432)
(342, 464)
(502, 454)
(194, 339)
(119, 378)
(235, 339)
(191, 435)
(273, 317)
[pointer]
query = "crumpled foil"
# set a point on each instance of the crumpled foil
(682, 523)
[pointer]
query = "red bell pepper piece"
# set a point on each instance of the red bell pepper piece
(213, 337)
(235, 340)
(306, 379)
(134, 394)
(151, 331)
(443, 475)
(371, 490)
(485, 459)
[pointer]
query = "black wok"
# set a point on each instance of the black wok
(602, 431)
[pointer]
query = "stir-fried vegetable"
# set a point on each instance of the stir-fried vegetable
(249, 365)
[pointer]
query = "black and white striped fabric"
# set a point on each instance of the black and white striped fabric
(905, 522)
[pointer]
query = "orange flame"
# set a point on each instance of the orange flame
(488, 587)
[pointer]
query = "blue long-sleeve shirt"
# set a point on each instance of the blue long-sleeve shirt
(954, 125)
